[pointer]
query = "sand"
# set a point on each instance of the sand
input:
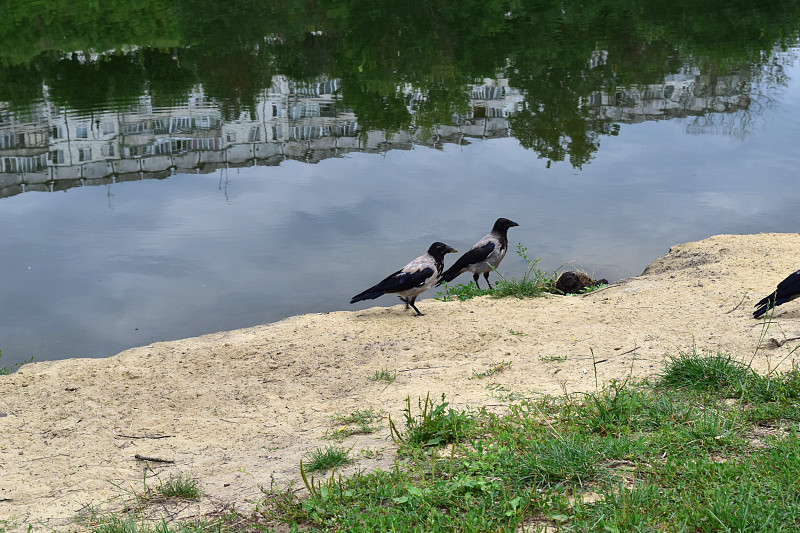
(238, 410)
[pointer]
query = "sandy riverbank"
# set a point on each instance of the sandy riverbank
(236, 408)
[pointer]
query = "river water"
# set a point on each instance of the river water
(133, 218)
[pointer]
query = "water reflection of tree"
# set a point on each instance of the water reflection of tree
(115, 82)
(21, 86)
(382, 51)
(556, 137)
(554, 122)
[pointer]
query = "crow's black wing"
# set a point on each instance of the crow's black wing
(475, 255)
(397, 282)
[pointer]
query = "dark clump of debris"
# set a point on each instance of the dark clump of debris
(576, 282)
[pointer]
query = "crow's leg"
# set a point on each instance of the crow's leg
(411, 303)
(486, 275)
(475, 276)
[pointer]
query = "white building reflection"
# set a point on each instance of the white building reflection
(51, 149)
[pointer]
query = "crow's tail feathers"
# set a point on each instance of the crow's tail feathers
(768, 302)
(767, 299)
(447, 277)
(760, 311)
(369, 294)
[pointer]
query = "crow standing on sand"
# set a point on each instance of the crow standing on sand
(484, 256)
(787, 290)
(413, 279)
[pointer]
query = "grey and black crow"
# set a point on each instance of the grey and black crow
(413, 279)
(787, 290)
(484, 256)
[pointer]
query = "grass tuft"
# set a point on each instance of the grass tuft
(710, 430)
(592, 288)
(461, 292)
(385, 375)
(180, 486)
(495, 368)
(359, 422)
(721, 374)
(435, 424)
(717, 373)
(614, 409)
(570, 460)
(327, 458)
(534, 282)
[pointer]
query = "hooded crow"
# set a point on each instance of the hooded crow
(413, 279)
(484, 256)
(787, 290)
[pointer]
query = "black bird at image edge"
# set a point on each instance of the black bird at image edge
(787, 290)
(413, 279)
(484, 256)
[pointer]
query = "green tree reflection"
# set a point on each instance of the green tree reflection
(557, 53)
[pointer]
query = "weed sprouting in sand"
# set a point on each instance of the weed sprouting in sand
(494, 368)
(385, 375)
(359, 422)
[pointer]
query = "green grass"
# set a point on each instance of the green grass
(359, 417)
(700, 448)
(564, 461)
(675, 454)
(534, 281)
(718, 373)
(551, 358)
(461, 292)
(120, 524)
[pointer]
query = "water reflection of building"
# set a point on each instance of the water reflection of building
(24, 142)
(49, 149)
(679, 96)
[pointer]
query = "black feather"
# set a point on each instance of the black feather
(475, 255)
(397, 282)
(787, 290)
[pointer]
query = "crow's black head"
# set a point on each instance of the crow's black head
(439, 249)
(502, 224)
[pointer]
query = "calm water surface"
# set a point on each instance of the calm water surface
(158, 222)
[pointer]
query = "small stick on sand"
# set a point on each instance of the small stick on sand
(153, 459)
